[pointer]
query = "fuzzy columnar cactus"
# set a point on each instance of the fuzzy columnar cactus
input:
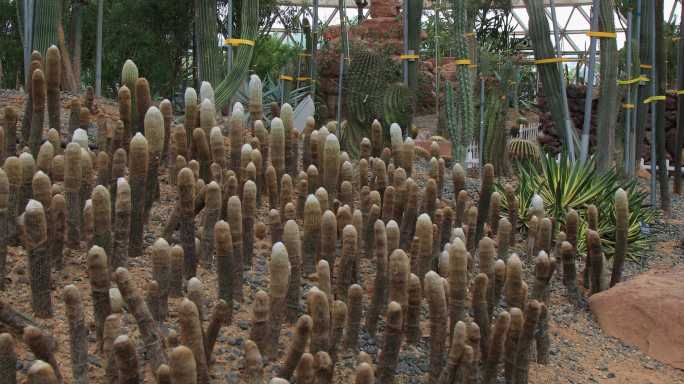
(161, 271)
(87, 172)
(10, 128)
(305, 372)
(436, 298)
(207, 116)
(192, 336)
(277, 140)
(4, 225)
(8, 358)
(98, 272)
(504, 238)
(399, 274)
(331, 165)
(412, 326)
(78, 333)
(104, 169)
(202, 151)
(323, 200)
(125, 113)
(138, 174)
(459, 210)
(471, 226)
(338, 318)
(292, 242)
(425, 240)
(319, 310)
(224, 261)
(39, 91)
(377, 141)
(43, 347)
(458, 282)
(495, 349)
(212, 214)
(348, 269)
(594, 260)
(154, 133)
(543, 271)
(621, 234)
(177, 261)
(270, 178)
(41, 373)
(53, 74)
(149, 331)
(182, 365)
(544, 237)
(143, 101)
(122, 224)
(237, 233)
(354, 313)
(179, 142)
(28, 168)
(324, 280)
(519, 371)
(35, 242)
(480, 309)
(494, 212)
(102, 215)
(313, 178)
(72, 185)
(186, 201)
(253, 363)
(279, 271)
(389, 357)
(515, 289)
(217, 146)
(460, 356)
(312, 234)
(275, 224)
(221, 316)
(410, 214)
(260, 327)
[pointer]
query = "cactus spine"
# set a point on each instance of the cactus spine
(312, 233)
(182, 365)
(458, 282)
(138, 169)
(348, 273)
(279, 270)
(293, 245)
(212, 214)
(53, 74)
(102, 214)
(391, 344)
(78, 334)
(38, 110)
(192, 337)
(434, 292)
(155, 135)
(380, 284)
(186, 201)
(38, 259)
(621, 234)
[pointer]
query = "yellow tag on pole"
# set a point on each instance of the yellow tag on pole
(632, 81)
(411, 57)
(645, 66)
(236, 42)
(286, 78)
(628, 106)
(654, 99)
(603, 35)
(303, 78)
(549, 60)
(462, 62)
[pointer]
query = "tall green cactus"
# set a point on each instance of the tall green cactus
(249, 28)
(208, 52)
(607, 108)
(413, 15)
(45, 24)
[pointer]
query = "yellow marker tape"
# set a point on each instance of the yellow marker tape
(645, 66)
(286, 78)
(236, 42)
(304, 54)
(676, 91)
(654, 99)
(472, 66)
(605, 35)
(462, 62)
(628, 106)
(303, 78)
(549, 61)
(409, 57)
(634, 80)
(469, 34)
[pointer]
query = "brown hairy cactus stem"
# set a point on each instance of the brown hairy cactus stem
(459, 210)
(410, 214)
(319, 310)
(305, 370)
(324, 280)
(487, 255)
(186, 206)
(348, 269)
(296, 347)
(380, 283)
(212, 214)
(471, 366)
(4, 225)
(434, 292)
(104, 169)
(373, 216)
(275, 224)
(224, 262)
(544, 236)
(511, 344)
(512, 206)
(78, 334)
(149, 331)
(312, 234)
(249, 199)
(328, 243)
(376, 138)
(324, 366)
(458, 178)
(153, 299)
(166, 109)
(125, 113)
(331, 165)
(154, 133)
(12, 166)
(480, 310)
(138, 172)
(163, 374)
(526, 339)
(44, 158)
(177, 256)
(122, 227)
(594, 261)
(459, 352)
(221, 316)
(458, 283)
(413, 313)
(277, 144)
(8, 358)
(543, 271)
(236, 127)
(279, 271)
(99, 288)
(495, 348)
(322, 197)
(201, 149)
(515, 291)
(494, 212)
(338, 320)
(41, 373)
(389, 357)
(102, 215)
(254, 365)
(260, 331)
(10, 127)
(313, 178)
(195, 292)
(88, 224)
(430, 198)
(183, 365)
(424, 234)
(471, 233)
(28, 168)
(112, 330)
(504, 238)
(446, 227)
(592, 217)
(399, 275)
(39, 91)
(237, 234)
(388, 202)
(191, 336)
(364, 374)
(293, 244)
(271, 180)
(302, 192)
(43, 347)
(38, 259)
(621, 235)
(217, 146)
(355, 311)
(143, 101)
(161, 272)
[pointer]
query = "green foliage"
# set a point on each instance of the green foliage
(11, 51)
(564, 185)
(270, 55)
(273, 92)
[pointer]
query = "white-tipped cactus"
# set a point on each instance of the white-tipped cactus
(207, 92)
(80, 137)
(396, 138)
(238, 108)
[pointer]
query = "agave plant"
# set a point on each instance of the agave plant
(273, 92)
(564, 185)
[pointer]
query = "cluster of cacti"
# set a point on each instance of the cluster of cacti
(523, 150)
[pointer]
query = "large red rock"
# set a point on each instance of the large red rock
(384, 8)
(648, 312)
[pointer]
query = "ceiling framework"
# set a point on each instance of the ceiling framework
(573, 19)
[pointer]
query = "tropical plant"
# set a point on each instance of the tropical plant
(270, 56)
(273, 92)
(564, 185)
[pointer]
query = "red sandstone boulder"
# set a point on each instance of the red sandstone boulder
(384, 8)
(646, 312)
